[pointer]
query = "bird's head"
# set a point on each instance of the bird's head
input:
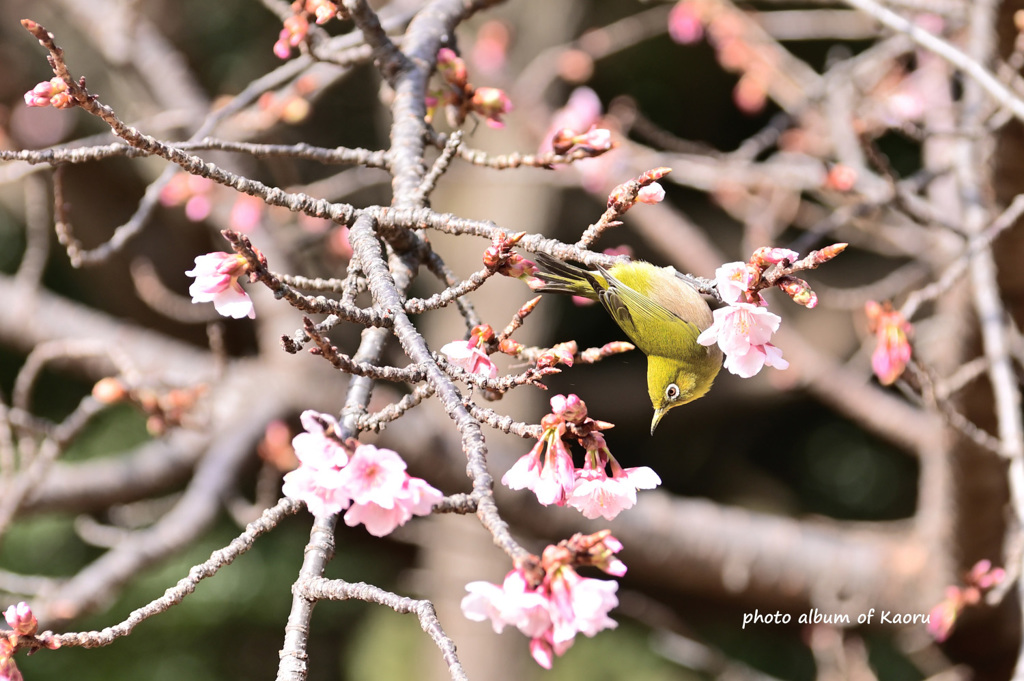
(672, 382)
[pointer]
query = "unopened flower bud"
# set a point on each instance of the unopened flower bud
(561, 142)
(651, 194)
(20, 618)
(491, 103)
(765, 256)
(595, 139)
(798, 290)
(510, 347)
(109, 390)
(559, 354)
(893, 350)
(823, 255)
(569, 407)
(841, 178)
(323, 10)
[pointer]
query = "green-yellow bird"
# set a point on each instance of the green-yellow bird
(661, 314)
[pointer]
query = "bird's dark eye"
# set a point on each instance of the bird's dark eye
(672, 392)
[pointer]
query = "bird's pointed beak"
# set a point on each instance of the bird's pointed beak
(658, 413)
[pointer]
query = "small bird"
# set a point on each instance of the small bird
(660, 312)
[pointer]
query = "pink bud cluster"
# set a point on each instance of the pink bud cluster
(549, 472)
(24, 626)
(551, 603)
(216, 282)
(53, 92)
(472, 355)
(892, 331)
(500, 257)
(982, 578)
(296, 26)
(460, 97)
(368, 481)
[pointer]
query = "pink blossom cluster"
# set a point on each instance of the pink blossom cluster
(499, 256)
(460, 97)
(24, 625)
(982, 578)
(551, 610)
(296, 26)
(549, 472)
(744, 327)
(53, 92)
(892, 331)
(371, 482)
(216, 281)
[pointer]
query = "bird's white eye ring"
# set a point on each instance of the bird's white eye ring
(672, 392)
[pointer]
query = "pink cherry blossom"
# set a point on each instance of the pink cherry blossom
(742, 331)
(551, 614)
(513, 603)
(383, 495)
(216, 281)
(749, 363)
(316, 447)
(580, 605)
(547, 470)
(734, 279)
(372, 484)
(322, 489)
(318, 480)
(374, 475)
(468, 356)
(596, 494)
(416, 497)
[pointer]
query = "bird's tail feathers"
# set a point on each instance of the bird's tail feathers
(561, 277)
